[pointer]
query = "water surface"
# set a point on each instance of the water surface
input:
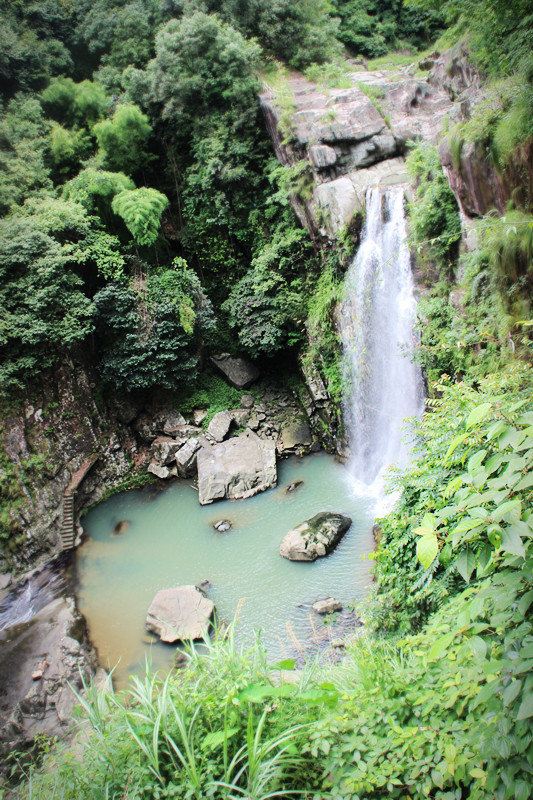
(170, 541)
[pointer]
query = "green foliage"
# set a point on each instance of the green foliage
(149, 333)
(23, 144)
(211, 393)
(373, 27)
(434, 214)
(324, 346)
(34, 43)
(448, 484)
(42, 306)
(67, 149)
(205, 731)
(122, 140)
(95, 188)
(141, 210)
(74, 103)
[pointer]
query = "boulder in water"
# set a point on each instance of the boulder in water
(180, 614)
(222, 525)
(327, 606)
(238, 468)
(314, 538)
(121, 527)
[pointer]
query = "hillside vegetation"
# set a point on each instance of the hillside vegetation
(144, 220)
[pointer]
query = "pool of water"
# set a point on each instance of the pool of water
(170, 541)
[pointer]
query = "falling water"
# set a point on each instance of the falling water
(383, 384)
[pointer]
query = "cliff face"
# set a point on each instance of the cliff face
(352, 138)
(45, 442)
(478, 183)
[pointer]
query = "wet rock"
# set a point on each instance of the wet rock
(39, 671)
(293, 486)
(240, 467)
(220, 425)
(186, 457)
(222, 525)
(121, 527)
(327, 606)
(240, 372)
(314, 538)
(180, 614)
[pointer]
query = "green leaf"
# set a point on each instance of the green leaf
(478, 414)
(440, 646)
(478, 647)
(526, 707)
(511, 692)
(214, 739)
(454, 444)
(509, 507)
(511, 541)
(427, 549)
(285, 664)
(465, 564)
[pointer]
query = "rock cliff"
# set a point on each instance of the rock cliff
(352, 138)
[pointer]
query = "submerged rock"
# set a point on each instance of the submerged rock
(239, 468)
(121, 527)
(180, 614)
(293, 486)
(314, 538)
(238, 371)
(222, 525)
(327, 606)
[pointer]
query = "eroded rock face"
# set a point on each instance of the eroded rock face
(346, 137)
(315, 538)
(180, 614)
(38, 663)
(238, 468)
(240, 372)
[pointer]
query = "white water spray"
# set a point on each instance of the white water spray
(383, 384)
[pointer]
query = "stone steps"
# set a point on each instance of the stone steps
(68, 533)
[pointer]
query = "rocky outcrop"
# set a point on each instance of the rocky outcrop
(240, 372)
(314, 538)
(476, 180)
(42, 658)
(352, 139)
(180, 614)
(235, 469)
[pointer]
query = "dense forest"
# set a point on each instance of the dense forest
(146, 223)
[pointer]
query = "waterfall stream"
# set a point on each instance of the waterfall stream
(383, 384)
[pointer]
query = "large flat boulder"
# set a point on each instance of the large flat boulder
(180, 614)
(314, 538)
(238, 468)
(237, 371)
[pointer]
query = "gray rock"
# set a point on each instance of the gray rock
(186, 457)
(222, 525)
(295, 435)
(5, 580)
(293, 486)
(337, 204)
(198, 415)
(180, 614)
(322, 156)
(158, 470)
(247, 401)
(327, 606)
(238, 371)
(220, 425)
(173, 422)
(238, 468)
(164, 450)
(314, 538)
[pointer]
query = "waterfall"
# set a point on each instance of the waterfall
(383, 386)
